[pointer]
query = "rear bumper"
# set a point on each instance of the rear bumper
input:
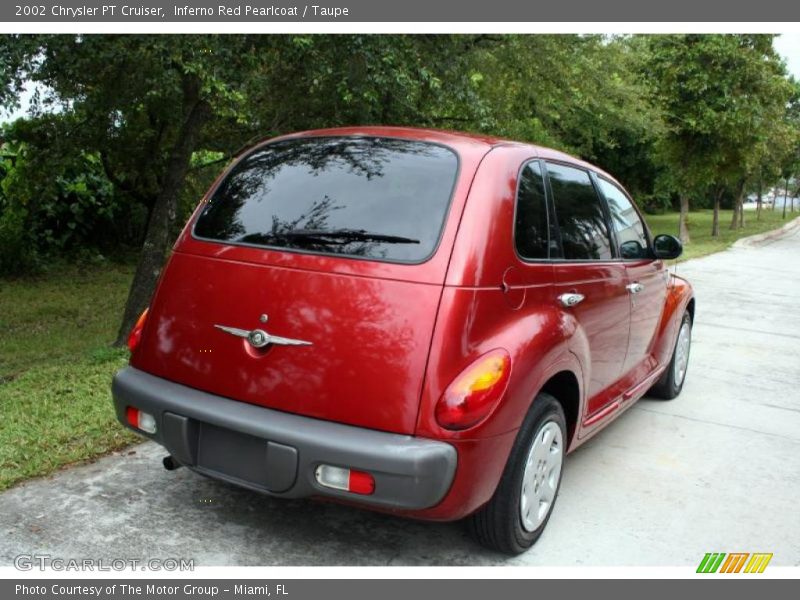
(277, 453)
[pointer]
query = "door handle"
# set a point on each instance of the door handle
(569, 300)
(634, 288)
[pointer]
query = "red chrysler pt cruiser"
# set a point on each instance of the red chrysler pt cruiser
(415, 321)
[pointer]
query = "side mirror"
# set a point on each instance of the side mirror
(667, 247)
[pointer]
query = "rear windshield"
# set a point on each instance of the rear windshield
(376, 198)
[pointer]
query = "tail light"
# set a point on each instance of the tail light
(475, 392)
(135, 335)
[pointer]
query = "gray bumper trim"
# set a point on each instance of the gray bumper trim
(410, 473)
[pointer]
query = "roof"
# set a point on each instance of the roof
(449, 138)
(420, 133)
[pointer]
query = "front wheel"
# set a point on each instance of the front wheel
(671, 382)
(518, 512)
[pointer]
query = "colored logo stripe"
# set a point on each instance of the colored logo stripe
(711, 562)
(758, 562)
(734, 562)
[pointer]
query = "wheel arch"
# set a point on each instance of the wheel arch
(680, 299)
(690, 309)
(565, 387)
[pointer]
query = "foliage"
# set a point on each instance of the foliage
(582, 94)
(57, 207)
(724, 100)
(17, 254)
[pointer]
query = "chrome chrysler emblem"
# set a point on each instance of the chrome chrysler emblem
(259, 338)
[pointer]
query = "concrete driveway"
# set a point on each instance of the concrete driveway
(718, 469)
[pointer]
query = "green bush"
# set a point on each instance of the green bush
(654, 204)
(17, 251)
(73, 214)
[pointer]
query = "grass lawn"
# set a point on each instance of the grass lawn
(56, 367)
(56, 362)
(701, 242)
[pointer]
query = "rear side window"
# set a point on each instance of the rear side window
(531, 227)
(580, 215)
(376, 198)
(626, 222)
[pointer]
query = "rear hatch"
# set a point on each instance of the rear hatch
(336, 245)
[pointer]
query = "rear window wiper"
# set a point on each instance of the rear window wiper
(341, 236)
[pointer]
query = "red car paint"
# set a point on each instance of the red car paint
(390, 338)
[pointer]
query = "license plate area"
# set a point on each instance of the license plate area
(252, 461)
(233, 454)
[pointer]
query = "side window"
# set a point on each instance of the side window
(530, 230)
(579, 210)
(625, 221)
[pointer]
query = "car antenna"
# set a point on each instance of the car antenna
(675, 269)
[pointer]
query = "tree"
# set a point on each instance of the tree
(786, 164)
(724, 98)
(141, 104)
(582, 94)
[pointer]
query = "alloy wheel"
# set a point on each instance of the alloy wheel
(541, 477)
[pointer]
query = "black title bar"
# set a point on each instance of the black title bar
(149, 11)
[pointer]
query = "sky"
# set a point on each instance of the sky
(787, 45)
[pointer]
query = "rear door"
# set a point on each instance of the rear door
(321, 242)
(646, 276)
(588, 267)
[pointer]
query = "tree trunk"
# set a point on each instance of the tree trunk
(759, 200)
(737, 206)
(715, 221)
(683, 221)
(162, 218)
(786, 197)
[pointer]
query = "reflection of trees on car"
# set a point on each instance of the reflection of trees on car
(360, 196)
(584, 233)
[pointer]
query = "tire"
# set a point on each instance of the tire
(500, 524)
(670, 384)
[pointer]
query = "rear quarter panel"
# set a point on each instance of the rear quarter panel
(492, 300)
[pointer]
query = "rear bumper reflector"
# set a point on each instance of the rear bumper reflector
(341, 478)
